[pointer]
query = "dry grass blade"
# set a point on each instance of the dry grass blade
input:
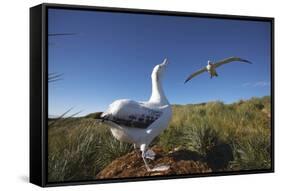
(53, 77)
(61, 117)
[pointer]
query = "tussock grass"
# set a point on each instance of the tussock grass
(80, 148)
(244, 126)
(229, 136)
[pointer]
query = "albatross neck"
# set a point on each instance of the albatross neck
(157, 95)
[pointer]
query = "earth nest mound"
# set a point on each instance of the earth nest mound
(132, 165)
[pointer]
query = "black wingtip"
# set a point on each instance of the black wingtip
(188, 79)
(244, 60)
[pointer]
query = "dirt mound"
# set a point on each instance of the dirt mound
(132, 165)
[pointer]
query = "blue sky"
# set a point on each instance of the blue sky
(111, 57)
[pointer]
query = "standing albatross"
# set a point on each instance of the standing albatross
(211, 67)
(140, 122)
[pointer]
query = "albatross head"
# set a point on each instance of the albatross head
(159, 70)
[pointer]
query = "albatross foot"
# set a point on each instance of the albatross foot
(150, 154)
(160, 168)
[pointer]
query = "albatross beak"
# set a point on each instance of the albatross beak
(165, 62)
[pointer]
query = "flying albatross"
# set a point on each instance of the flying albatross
(211, 67)
(140, 122)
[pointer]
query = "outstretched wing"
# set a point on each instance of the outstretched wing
(195, 74)
(131, 114)
(230, 59)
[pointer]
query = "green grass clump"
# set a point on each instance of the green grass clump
(244, 127)
(80, 148)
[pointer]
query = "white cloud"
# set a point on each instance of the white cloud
(256, 84)
(247, 84)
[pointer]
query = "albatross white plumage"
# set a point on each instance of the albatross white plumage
(211, 67)
(140, 122)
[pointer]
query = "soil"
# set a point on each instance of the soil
(131, 165)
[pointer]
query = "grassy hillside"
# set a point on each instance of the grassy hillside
(229, 137)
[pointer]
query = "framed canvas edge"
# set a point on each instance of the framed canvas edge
(35, 91)
(156, 12)
(44, 90)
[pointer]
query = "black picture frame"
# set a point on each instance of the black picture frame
(39, 91)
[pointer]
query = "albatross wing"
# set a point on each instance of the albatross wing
(230, 59)
(129, 113)
(195, 74)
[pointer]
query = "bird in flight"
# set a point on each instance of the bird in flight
(212, 66)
